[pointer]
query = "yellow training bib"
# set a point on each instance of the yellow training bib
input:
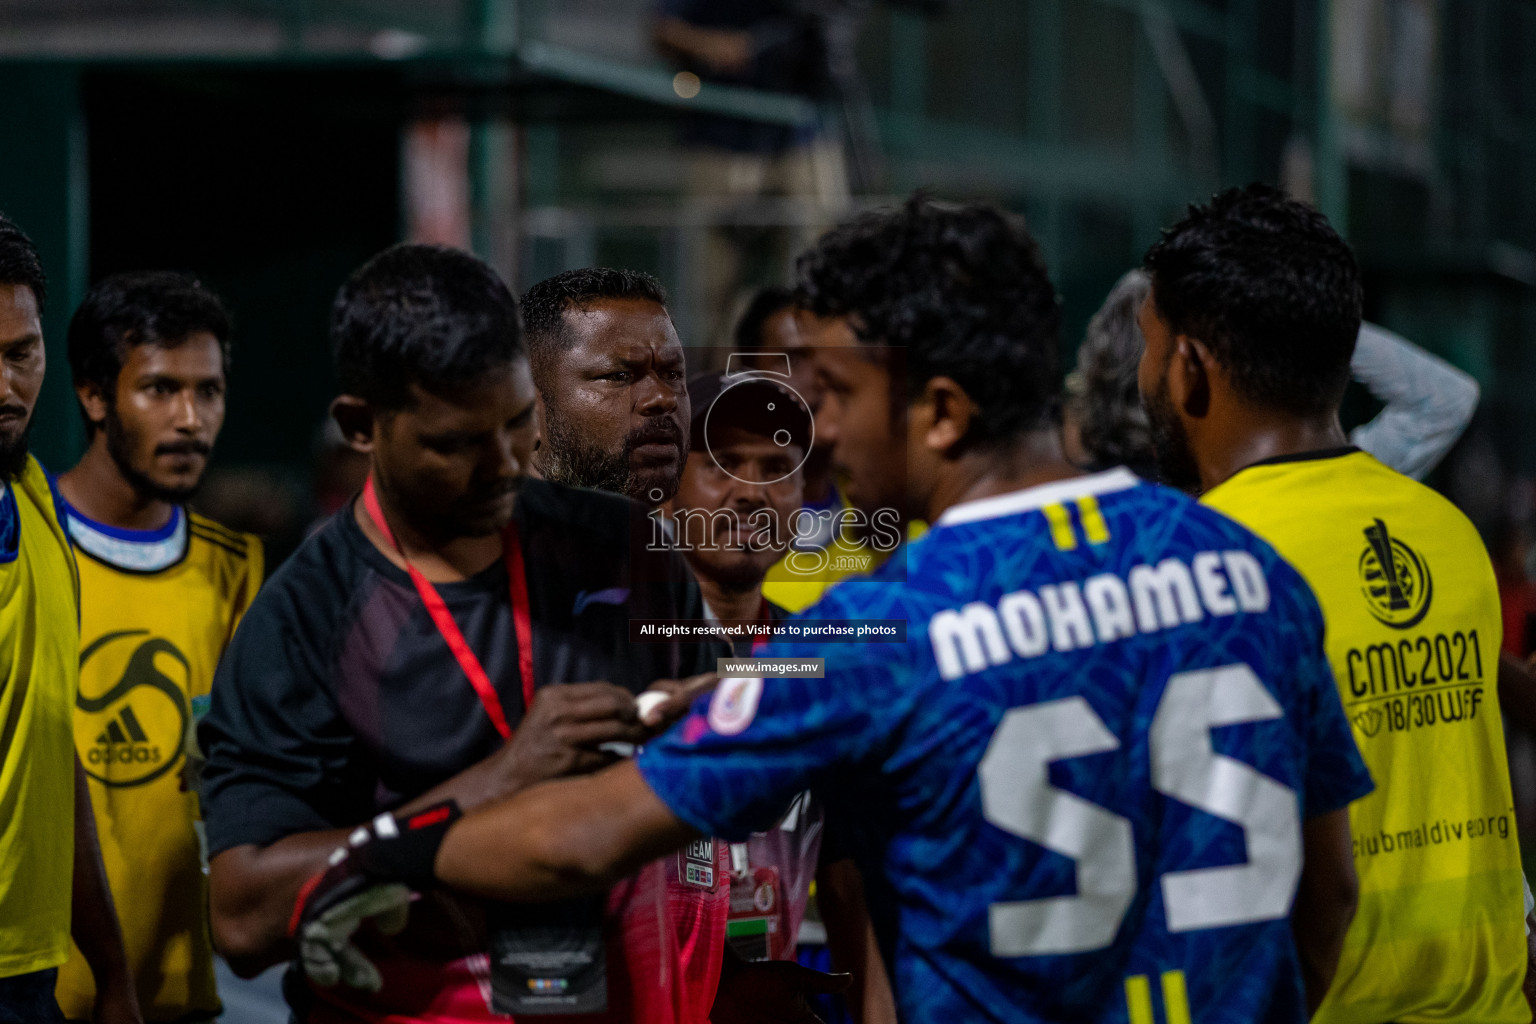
(39, 648)
(1413, 635)
(158, 609)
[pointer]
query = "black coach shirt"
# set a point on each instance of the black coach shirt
(338, 698)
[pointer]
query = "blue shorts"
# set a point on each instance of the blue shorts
(28, 998)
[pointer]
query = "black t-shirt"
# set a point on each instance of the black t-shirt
(338, 698)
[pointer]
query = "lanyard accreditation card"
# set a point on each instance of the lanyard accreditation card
(546, 959)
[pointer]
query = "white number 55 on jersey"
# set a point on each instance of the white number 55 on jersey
(1017, 796)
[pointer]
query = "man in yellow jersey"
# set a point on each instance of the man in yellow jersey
(1253, 314)
(52, 883)
(162, 589)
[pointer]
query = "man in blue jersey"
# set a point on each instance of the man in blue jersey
(1105, 777)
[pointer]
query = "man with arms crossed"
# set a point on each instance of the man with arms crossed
(409, 651)
(162, 589)
(1031, 781)
(53, 886)
(1253, 314)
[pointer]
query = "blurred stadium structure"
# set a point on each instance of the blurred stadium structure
(270, 145)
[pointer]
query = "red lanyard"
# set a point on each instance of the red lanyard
(517, 585)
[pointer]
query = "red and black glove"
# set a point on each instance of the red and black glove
(369, 879)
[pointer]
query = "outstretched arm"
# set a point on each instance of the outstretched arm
(253, 889)
(561, 838)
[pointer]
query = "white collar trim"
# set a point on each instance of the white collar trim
(1031, 498)
(130, 555)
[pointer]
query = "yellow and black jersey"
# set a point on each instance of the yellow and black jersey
(38, 648)
(1413, 635)
(157, 610)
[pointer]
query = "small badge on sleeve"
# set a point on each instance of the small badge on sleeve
(734, 705)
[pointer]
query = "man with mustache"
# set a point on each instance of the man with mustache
(162, 590)
(53, 887)
(436, 638)
(612, 383)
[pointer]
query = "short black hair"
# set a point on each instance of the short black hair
(19, 262)
(426, 315)
(1271, 288)
(155, 307)
(963, 289)
(544, 304)
(766, 304)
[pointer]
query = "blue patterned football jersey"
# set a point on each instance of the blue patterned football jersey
(1077, 789)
